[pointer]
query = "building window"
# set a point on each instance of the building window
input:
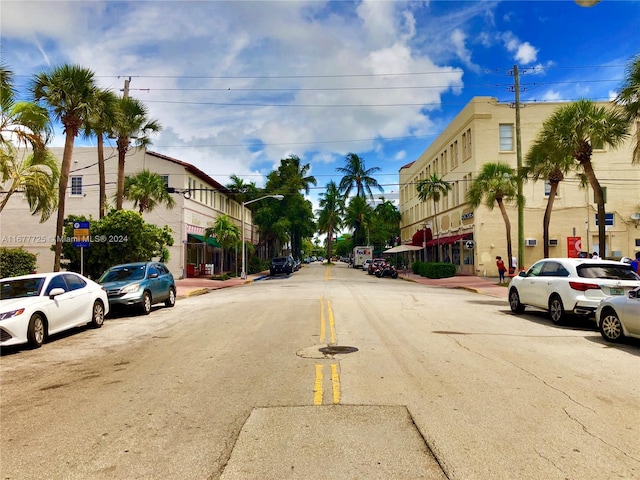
(547, 189)
(165, 179)
(76, 186)
(604, 195)
(506, 137)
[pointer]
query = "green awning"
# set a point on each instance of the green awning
(211, 241)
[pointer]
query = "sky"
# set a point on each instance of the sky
(239, 85)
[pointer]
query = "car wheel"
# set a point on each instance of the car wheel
(97, 314)
(146, 303)
(556, 310)
(36, 330)
(514, 301)
(378, 273)
(394, 275)
(610, 326)
(272, 273)
(171, 301)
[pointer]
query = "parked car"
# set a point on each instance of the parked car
(618, 317)
(33, 307)
(297, 264)
(281, 265)
(139, 285)
(570, 286)
(375, 263)
(365, 265)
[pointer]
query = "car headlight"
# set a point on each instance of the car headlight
(12, 313)
(134, 287)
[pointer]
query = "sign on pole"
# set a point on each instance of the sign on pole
(81, 234)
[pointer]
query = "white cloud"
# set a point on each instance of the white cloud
(523, 52)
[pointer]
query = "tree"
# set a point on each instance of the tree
(330, 214)
(243, 191)
(386, 224)
(121, 236)
(433, 188)
(69, 92)
(147, 190)
(573, 130)
(358, 216)
(495, 184)
(544, 162)
(35, 174)
(131, 123)
(355, 174)
(629, 99)
(101, 123)
(226, 232)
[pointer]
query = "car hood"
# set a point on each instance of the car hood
(119, 285)
(6, 305)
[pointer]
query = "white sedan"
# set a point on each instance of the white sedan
(570, 286)
(619, 317)
(32, 307)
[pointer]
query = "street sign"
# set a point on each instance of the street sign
(81, 234)
(469, 244)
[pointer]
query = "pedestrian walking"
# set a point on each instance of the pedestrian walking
(501, 268)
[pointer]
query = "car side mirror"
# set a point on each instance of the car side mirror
(633, 294)
(153, 275)
(55, 292)
(522, 273)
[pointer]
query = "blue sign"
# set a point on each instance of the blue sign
(81, 234)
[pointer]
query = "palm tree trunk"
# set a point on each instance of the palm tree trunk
(599, 197)
(123, 146)
(435, 221)
(62, 196)
(101, 176)
(547, 218)
(507, 226)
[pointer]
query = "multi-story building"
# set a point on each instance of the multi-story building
(199, 200)
(484, 131)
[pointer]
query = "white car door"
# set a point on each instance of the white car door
(631, 315)
(530, 285)
(60, 308)
(82, 303)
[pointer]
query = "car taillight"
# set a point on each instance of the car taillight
(583, 287)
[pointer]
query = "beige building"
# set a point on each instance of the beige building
(484, 131)
(199, 201)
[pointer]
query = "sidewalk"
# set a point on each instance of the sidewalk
(483, 285)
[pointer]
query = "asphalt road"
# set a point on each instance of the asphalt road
(328, 373)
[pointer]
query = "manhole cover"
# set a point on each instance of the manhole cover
(336, 349)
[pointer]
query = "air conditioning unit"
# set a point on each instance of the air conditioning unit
(553, 242)
(530, 242)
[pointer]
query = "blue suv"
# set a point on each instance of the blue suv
(139, 285)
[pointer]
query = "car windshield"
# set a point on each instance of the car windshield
(608, 271)
(123, 274)
(25, 287)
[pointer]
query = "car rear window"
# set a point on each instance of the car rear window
(608, 271)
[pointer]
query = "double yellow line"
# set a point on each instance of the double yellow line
(318, 388)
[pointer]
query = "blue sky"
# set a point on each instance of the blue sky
(239, 85)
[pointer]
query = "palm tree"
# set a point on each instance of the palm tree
(629, 99)
(147, 190)
(243, 191)
(100, 124)
(226, 232)
(132, 123)
(69, 92)
(356, 175)
(433, 188)
(358, 216)
(495, 184)
(330, 214)
(574, 129)
(543, 162)
(387, 218)
(36, 175)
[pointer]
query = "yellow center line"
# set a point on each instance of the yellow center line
(317, 387)
(335, 381)
(327, 273)
(332, 324)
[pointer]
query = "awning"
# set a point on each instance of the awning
(418, 238)
(403, 248)
(210, 241)
(451, 239)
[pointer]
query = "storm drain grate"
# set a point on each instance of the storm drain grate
(336, 349)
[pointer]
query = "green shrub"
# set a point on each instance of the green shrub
(16, 261)
(257, 265)
(438, 270)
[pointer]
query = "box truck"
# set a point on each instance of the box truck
(360, 254)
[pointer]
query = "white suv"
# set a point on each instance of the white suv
(570, 286)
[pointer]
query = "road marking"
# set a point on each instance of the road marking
(335, 381)
(332, 323)
(327, 273)
(317, 387)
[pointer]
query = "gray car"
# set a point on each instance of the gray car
(139, 285)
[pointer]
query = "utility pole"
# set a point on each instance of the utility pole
(519, 172)
(125, 93)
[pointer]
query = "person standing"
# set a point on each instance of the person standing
(501, 268)
(514, 265)
(635, 264)
(595, 256)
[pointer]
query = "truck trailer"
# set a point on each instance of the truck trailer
(360, 254)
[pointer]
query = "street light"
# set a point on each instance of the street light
(243, 274)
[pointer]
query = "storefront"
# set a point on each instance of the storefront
(202, 255)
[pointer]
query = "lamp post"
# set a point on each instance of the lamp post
(243, 274)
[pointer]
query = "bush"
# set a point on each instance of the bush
(16, 261)
(433, 269)
(257, 265)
